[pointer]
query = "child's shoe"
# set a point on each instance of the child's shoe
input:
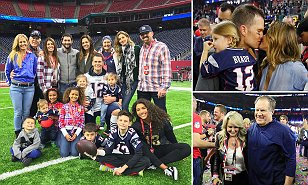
(105, 168)
(152, 167)
(26, 161)
(172, 172)
(14, 159)
(140, 173)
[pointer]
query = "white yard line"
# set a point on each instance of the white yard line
(34, 167)
(6, 108)
(53, 162)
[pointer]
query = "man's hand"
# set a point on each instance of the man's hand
(161, 93)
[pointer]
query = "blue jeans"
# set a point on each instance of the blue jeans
(68, 147)
(21, 99)
(104, 108)
(128, 97)
(48, 134)
(160, 102)
(33, 154)
(197, 171)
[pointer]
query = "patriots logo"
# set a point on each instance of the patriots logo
(197, 124)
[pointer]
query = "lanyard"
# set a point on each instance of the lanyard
(234, 153)
(142, 126)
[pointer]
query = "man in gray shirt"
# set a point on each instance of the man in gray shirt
(68, 65)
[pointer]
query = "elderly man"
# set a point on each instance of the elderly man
(271, 147)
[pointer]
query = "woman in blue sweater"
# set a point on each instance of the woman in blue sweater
(23, 63)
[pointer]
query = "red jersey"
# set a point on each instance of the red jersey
(197, 128)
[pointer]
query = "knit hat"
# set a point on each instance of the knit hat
(106, 37)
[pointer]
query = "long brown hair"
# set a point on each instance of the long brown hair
(54, 53)
(83, 51)
(282, 47)
(118, 46)
(156, 114)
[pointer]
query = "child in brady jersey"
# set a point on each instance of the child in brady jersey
(114, 90)
(82, 82)
(124, 149)
(44, 116)
(90, 133)
(71, 121)
(232, 65)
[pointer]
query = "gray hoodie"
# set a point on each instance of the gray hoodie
(26, 142)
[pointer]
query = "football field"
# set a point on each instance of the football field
(77, 171)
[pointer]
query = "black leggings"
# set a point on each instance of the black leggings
(164, 154)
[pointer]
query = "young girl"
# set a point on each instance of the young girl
(71, 121)
(232, 65)
(111, 89)
(229, 162)
(82, 82)
(282, 69)
(159, 142)
(52, 97)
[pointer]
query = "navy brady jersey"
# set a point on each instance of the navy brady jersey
(128, 144)
(234, 68)
(112, 91)
(99, 141)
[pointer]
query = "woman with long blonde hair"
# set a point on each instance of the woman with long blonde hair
(23, 63)
(127, 65)
(282, 69)
(229, 163)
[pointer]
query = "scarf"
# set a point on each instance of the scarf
(129, 61)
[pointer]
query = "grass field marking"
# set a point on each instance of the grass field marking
(55, 161)
(181, 126)
(180, 88)
(35, 167)
(6, 108)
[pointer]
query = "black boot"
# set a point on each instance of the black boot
(17, 133)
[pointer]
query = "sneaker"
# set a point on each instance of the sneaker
(105, 168)
(305, 169)
(26, 161)
(14, 159)
(172, 172)
(140, 173)
(152, 167)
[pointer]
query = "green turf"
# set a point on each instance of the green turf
(181, 84)
(86, 171)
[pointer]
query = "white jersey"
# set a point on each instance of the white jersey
(97, 84)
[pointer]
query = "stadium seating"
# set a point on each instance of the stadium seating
(87, 9)
(120, 6)
(6, 7)
(151, 3)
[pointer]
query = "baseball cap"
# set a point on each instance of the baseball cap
(302, 26)
(144, 29)
(35, 33)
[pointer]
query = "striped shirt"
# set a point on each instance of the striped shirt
(71, 118)
(46, 75)
(154, 67)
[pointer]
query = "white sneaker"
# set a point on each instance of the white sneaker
(172, 172)
(152, 167)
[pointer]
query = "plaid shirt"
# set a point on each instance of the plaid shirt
(67, 120)
(45, 74)
(154, 67)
